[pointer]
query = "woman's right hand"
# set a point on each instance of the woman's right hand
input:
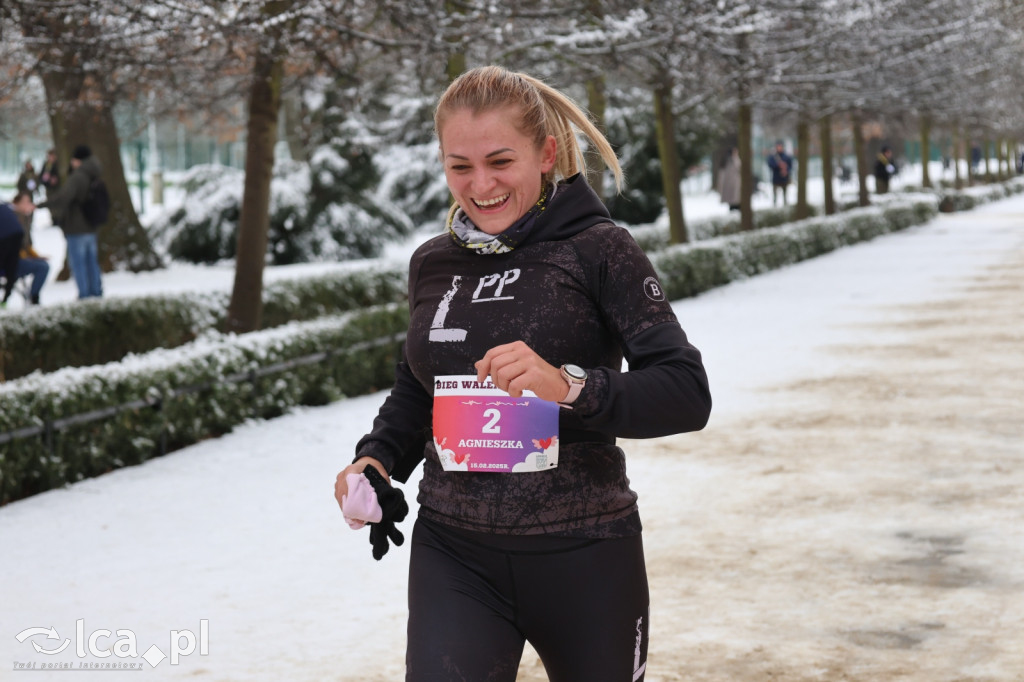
(341, 484)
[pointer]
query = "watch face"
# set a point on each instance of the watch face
(575, 372)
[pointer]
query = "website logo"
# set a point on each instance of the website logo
(103, 649)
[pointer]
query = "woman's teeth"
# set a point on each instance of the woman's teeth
(488, 203)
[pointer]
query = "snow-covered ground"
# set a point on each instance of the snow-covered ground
(851, 512)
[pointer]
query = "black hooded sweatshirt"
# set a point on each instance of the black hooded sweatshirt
(577, 289)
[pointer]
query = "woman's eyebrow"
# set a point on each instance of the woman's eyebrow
(494, 153)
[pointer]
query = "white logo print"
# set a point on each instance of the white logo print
(653, 289)
(491, 285)
(498, 282)
(437, 330)
(638, 666)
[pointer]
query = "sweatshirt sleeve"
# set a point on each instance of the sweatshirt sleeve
(59, 203)
(665, 389)
(402, 426)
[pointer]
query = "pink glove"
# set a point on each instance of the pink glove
(360, 505)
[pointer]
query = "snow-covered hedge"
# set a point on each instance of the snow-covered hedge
(656, 237)
(79, 426)
(96, 331)
(689, 269)
(951, 200)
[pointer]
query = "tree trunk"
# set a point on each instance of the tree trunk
(803, 153)
(292, 119)
(744, 142)
(246, 308)
(969, 158)
(827, 162)
(862, 161)
(987, 146)
(958, 181)
(596, 103)
(78, 116)
(926, 133)
(455, 65)
(670, 175)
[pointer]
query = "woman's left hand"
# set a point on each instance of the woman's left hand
(515, 367)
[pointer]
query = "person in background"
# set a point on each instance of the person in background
(30, 263)
(885, 168)
(781, 165)
(729, 179)
(66, 207)
(28, 184)
(534, 288)
(49, 173)
(11, 235)
(27, 181)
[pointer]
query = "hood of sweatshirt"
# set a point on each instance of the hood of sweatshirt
(574, 208)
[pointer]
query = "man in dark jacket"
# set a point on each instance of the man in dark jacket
(66, 207)
(781, 165)
(885, 168)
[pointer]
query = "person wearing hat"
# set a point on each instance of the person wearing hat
(65, 206)
(781, 165)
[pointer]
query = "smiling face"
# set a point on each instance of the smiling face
(492, 169)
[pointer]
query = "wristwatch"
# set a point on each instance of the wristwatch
(576, 377)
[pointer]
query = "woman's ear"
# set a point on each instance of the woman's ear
(549, 153)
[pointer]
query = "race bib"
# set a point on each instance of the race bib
(479, 427)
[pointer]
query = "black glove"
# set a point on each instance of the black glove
(393, 509)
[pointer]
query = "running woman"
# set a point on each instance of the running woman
(511, 392)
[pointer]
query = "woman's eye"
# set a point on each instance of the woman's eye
(502, 162)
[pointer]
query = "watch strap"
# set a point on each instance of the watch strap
(575, 387)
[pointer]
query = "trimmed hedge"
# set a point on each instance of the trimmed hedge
(655, 238)
(690, 269)
(171, 398)
(96, 331)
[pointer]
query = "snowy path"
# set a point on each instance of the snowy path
(851, 512)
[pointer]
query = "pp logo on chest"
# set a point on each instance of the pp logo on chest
(488, 289)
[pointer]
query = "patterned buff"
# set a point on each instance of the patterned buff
(464, 233)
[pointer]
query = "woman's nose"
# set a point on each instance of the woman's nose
(482, 180)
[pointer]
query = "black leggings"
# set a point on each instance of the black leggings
(475, 599)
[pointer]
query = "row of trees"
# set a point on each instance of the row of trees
(708, 65)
